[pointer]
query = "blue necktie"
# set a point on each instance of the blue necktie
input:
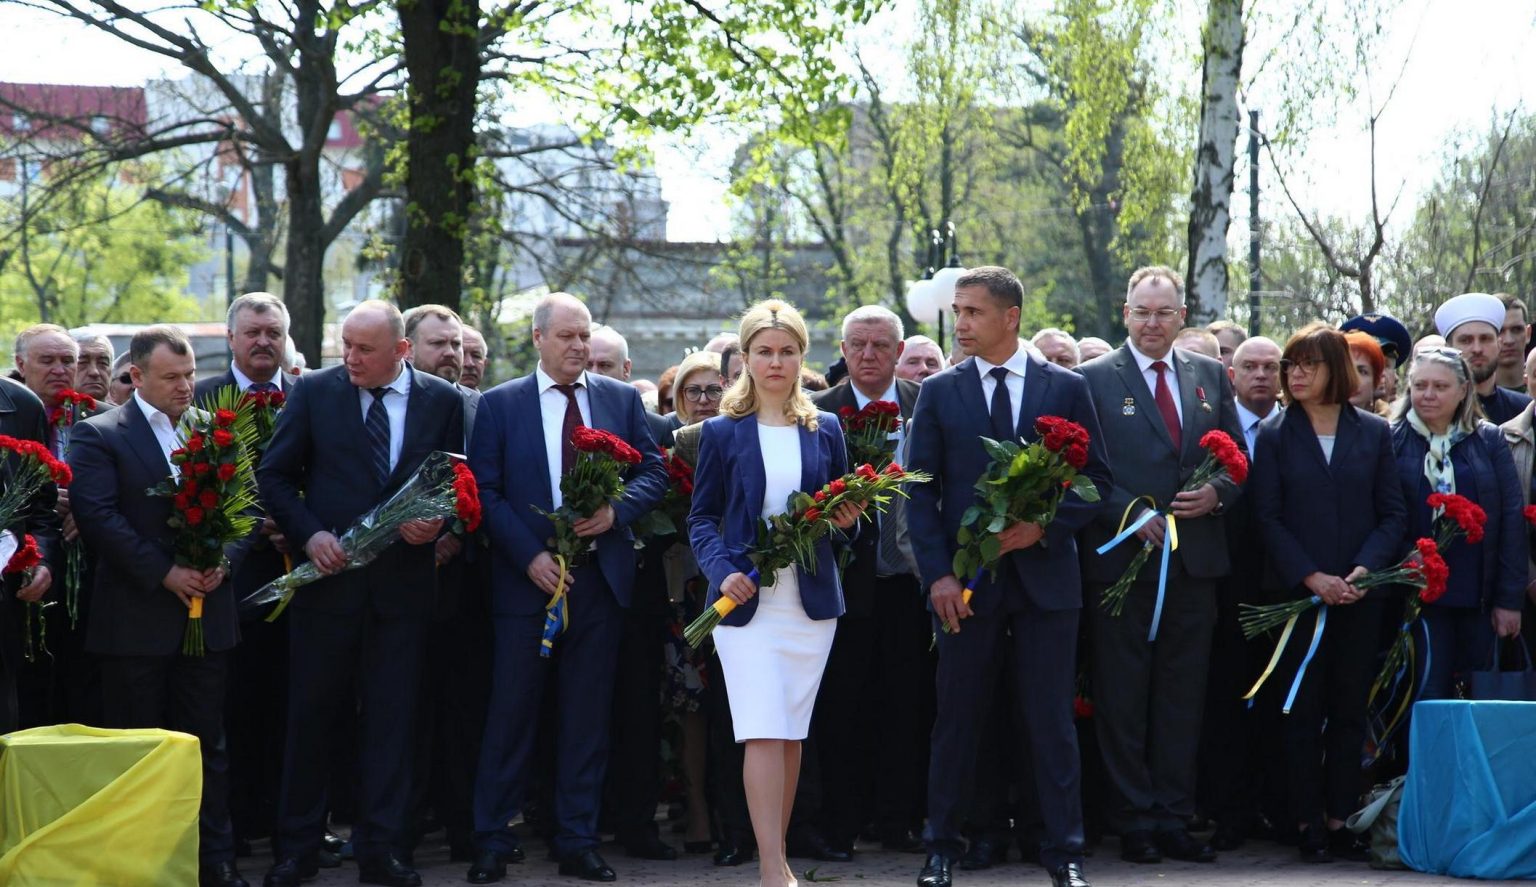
(263, 387)
(378, 434)
(1002, 405)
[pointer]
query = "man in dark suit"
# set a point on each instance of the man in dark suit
(875, 705)
(140, 597)
(1154, 403)
(1028, 614)
(348, 437)
(257, 702)
(520, 450)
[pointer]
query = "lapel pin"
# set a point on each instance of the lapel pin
(1204, 404)
(1129, 408)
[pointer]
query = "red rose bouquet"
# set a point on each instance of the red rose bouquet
(671, 514)
(213, 495)
(264, 408)
(790, 538)
(443, 487)
(1022, 483)
(867, 432)
(1222, 456)
(22, 563)
(597, 479)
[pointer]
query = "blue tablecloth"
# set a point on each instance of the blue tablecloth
(1469, 803)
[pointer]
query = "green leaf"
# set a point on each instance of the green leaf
(999, 522)
(991, 549)
(1083, 486)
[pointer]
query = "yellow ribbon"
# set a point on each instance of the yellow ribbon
(1173, 525)
(1274, 660)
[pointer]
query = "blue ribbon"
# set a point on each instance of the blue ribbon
(755, 576)
(1428, 652)
(1130, 531)
(1317, 638)
(554, 623)
(1162, 569)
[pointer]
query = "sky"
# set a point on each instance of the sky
(1465, 60)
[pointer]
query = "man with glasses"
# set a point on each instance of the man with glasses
(120, 385)
(1470, 324)
(1154, 403)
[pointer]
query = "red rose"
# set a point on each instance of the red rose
(1082, 708)
(189, 485)
(223, 437)
(1530, 514)
(895, 470)
(820, 496)
(847, 412)
(867, 472)
(837, 487)
(209, 499)
(195, 442)
(1076, 456)
(275, 399)
(183, 500)
(224, 418)
(226, 472)
(194, 516)
(813, 514)
(1055, 439)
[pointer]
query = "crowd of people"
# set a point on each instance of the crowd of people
(872, 698)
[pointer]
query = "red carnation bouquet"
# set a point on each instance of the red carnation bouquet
(1222, 456)
(790, 538)
(1022, 483)
(1422, 568)
(213, 496)
(22, 563)
(443, 487)
(1456, 517)
(73, 406)
(867, 432)
(597, 479)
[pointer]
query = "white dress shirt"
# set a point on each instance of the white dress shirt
(552, 411)
(394, 404)
(1170, 376)
(1015, 365)
(164, 429)
(1249, 420)
(244, 382)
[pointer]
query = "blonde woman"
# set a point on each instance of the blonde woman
(768, 442)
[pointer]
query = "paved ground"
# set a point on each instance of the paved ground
(1258, 865)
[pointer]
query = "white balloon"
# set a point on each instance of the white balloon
(942, 287)
(920, 302)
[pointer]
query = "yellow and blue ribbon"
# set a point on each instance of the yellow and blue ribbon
(1317, 638)
(1170, 544)
(1274, 659)
(556, 614)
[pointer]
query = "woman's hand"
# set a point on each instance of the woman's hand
(847, 514)
(1333, 590)
(738, 588)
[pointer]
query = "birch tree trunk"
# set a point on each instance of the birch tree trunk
(1211, 201)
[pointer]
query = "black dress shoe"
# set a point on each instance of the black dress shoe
(290, 872)
(1138, 846)
(587, 865)
(1069, 874)
(1182, 845)
(220, 874)
(938, 871)
(809, 844)
(388, 871)
(650, 847)
(733, 853)
(489, 867)
(331, 842)
(983, 853)
(1312, 844)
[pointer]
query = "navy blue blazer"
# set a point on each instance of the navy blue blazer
(507, 455)
(1326, 516)
(1495, 486)
(728, 488)
(950, 418)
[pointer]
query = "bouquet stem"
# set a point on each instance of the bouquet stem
(700, 628)
(192, 641)
(556, 612)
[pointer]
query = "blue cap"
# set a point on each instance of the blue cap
(1396, 344)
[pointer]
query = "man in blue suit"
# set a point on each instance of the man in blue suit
(349, 437)
(998, 392)
(519, 451)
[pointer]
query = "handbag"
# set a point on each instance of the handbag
(1512, 685)
(1379, 818)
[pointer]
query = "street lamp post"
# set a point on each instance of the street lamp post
(928, 298)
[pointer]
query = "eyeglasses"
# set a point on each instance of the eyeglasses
(1307, 364)
(125, 379)
(1438, 351)
(1163, 315)
(695, 394)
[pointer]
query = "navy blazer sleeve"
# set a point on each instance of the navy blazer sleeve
(93, 501)
(1074, 513)
(925, 452)
(487, 454)
(711, 477)
(646, 483)
(280, 477)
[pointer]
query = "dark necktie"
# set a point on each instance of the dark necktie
(263, 387)
(1165, 405)
(568, 427)
(1002, 405)
(378, 433)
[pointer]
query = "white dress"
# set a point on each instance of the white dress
(773, 664)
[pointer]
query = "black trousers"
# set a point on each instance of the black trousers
(183, 693)
(459, 689)
(634, 766)
(1149, 698)
(256, 717)
(330, 655)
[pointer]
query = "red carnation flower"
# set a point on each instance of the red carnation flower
(895, 470)
(1530, 514)
(27, 556)
(847, 412)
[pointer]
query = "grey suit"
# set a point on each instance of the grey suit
(1149, 696)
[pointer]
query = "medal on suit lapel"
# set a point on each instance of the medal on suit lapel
(1129, 407)
(1204, 404)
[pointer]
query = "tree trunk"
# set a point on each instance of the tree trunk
(303, 271)
(1211, 201)
(442, 58)
(263, 235)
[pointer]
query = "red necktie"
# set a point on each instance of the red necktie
(1166, 406)
(568, 427)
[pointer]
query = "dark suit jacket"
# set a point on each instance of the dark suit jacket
(728, 488)
(207, 388)
(1145, 464)
(951, 417)
(1326, 516)
(508, 458)
(116, 458)
(662, 427)
(22, 416)
(317, 475)
(859, 575)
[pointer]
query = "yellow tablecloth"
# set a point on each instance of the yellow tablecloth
(80, 805)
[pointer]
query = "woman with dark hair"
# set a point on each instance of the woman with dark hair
(1329, 506)
(1444, 446)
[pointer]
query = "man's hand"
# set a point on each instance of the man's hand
(213, 578)
(738, 587)
(1506, 622)
(599, 523)
(1333, 590)
(1020, 536)
(1152, 531)
(448, 548)
(42, 580)
(61, 508)
(544, 571)
(71, 529)
(949, 602)
(274, 535)
(1195, 503)
(847, 514)
(325, 553)
(420, 532)
(186, 583)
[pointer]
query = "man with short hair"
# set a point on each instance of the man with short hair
(1154, 403)
(93, 368)
(920, 358)
(349, 437)
(436, 335)
(475, 359)
(1199, 341)
(140, 597)
(45, 358)
(1092, 346)
(120, 386)
(1057, 346)
(1228, 336)
(720, 341)
(1514, 337)
(1470, 323)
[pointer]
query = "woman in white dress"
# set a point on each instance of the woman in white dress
(768, 442)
